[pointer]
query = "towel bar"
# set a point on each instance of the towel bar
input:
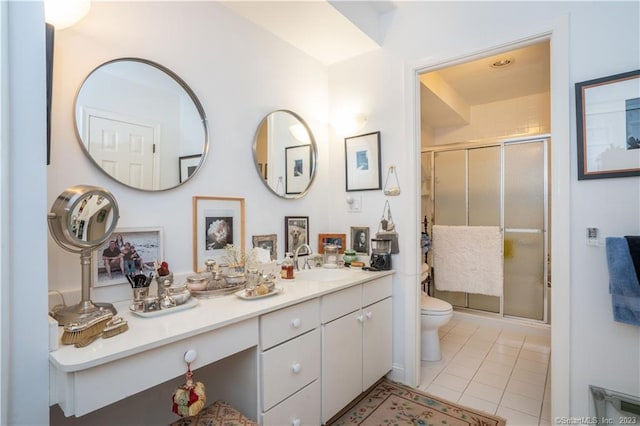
(615, 406)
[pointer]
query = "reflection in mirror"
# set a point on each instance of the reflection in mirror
(136, 120)
(285, 154)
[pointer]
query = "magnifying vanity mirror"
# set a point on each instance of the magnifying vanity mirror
(285, 154)
(81, 219)
(141, 124)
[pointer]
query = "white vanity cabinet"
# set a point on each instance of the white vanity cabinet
(356, 342)
(290, 365)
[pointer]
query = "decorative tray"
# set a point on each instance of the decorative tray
(205, 294)
(186, 305)
(243, 295)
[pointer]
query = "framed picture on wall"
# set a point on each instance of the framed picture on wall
(188, 165)
(296, 231)
(608, 126)
(128, 251)
(217, 222)
(362, 162)
(298, 168)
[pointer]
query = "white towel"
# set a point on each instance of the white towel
(468, 259)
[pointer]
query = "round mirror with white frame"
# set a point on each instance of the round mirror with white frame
(285, 154)
(141, 124)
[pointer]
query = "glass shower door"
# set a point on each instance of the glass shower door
(484, 206)
(504, 186)
(450, 202)
(524, 230)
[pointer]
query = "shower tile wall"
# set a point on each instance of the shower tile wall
(527, 115)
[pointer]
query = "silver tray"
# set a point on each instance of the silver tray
(242, 295)
(186, 305)
(206, 294)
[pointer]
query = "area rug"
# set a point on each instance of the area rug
(393, 404)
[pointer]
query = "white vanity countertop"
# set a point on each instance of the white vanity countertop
(209, 314)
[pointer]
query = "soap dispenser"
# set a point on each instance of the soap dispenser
(286, 271)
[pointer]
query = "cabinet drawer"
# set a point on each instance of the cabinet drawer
(300, 409)
(289, 367)
(287, 323)
(375, 290)
(340, 303)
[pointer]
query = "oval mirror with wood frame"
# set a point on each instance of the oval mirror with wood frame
(141, 124)
(285, 154)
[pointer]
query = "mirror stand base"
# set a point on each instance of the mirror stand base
(78, 313)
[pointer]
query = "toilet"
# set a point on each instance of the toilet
(434, 313)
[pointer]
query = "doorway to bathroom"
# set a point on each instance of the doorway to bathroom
(485, 127)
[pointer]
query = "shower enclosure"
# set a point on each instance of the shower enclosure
(498, 184)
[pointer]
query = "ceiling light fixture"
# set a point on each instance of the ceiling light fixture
(65, 13)
(501, 63)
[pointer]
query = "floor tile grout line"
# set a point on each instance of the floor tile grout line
(494, 342)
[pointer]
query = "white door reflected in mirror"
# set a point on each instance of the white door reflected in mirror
(136, 120)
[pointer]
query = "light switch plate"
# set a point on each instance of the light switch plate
(354, 203)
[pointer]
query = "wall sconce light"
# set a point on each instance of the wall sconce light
(349, 123)
(64, 13)
(300, 133)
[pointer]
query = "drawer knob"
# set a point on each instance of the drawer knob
(360, 318)
(369, 314)
(296, 368)
(296, 422)
(296, 323)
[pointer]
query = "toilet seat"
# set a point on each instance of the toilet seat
(432, 306)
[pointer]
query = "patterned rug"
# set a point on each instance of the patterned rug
(393, 404)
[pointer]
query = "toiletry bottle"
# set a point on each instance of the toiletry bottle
(286, 271)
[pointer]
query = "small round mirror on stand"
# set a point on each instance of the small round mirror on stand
(285, 154)
(81, 219)
(141, 124)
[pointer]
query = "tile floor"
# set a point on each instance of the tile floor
(495, 370)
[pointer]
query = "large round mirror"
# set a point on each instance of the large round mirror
(285, 154)
(141, 124)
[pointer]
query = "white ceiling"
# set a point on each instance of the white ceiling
(333, 31)
(476, 83)
(328, 31)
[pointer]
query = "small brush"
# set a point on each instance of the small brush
(91, 326)
(115, 326)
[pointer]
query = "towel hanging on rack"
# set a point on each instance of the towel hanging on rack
(468, 259)
(623, 282)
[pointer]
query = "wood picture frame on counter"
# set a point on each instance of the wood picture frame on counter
(217, 222)
(360, 239)
(296, 232)
(608, 126)
(267, 242)
(339, 240)
(138, 249)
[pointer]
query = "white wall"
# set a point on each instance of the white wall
(239, 73)
(25, 366)
(603, 38)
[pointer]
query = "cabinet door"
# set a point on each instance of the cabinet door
(376, 342)
(341, 363)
